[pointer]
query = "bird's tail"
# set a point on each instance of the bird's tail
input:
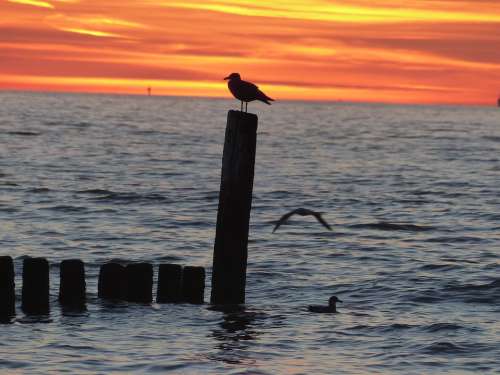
(264, 98)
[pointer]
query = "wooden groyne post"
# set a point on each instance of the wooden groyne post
(35, 292)
(193, 285)
(112, 281)
(72, 285)
(233, 216)
(169, 283)
(7, 290)
(139, 278)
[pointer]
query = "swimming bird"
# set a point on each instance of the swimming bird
(245, 91)
(331, 308)
(302, 212)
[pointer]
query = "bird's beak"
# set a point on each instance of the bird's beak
(227, 77)
(339, 300)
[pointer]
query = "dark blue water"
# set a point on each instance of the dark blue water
(412, 193)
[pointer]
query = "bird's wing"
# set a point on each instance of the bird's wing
(248, 88)
(317, 215)
(249, 84)
(283, 219)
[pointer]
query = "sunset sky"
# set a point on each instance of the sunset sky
(426, 51)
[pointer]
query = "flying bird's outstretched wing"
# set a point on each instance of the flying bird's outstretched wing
(302, 212)
(283, 219)
(318, 216)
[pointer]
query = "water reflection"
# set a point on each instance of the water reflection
(74, 310)
(35, 319)
(235, 334)
(7, 319)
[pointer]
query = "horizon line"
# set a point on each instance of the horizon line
(303, 100)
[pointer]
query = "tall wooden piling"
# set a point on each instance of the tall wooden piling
(7, 288)
(169, 283)
(72, 283)
(193, 285)
(233, 217)
(112, 282)
(139, 282)
(35, 291)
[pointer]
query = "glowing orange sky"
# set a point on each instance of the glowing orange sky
(426, 51)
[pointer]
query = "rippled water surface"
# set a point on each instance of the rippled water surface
(412, 193)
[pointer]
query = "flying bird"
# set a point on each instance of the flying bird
(331, 308)
(245, 91)
(302, 212)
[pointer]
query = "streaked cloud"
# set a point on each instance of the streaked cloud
(35, 3)
(320, 10)
(419, 51)
(90, 32)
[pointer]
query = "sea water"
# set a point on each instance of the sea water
(412, 194)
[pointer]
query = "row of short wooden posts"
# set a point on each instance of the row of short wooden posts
(133, 283)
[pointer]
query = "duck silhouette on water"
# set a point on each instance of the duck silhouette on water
(331, 308)
(245, 91)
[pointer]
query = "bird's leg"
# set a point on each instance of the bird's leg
(246, 107)
(242, 106)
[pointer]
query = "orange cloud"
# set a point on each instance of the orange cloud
(362, 50)
(35, 3)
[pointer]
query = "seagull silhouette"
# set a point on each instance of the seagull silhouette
(331, 308)
(301, 212)
(245, 91)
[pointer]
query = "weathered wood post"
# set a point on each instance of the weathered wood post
(72, 283)
(233, 217)
(193, 285)
(7, 288)
(112, 282)
(35, 292)
(139, 282)
(169, 283)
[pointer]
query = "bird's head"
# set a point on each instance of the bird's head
(235, 76)
(333, 301)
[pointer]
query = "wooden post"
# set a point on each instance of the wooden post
(35, 293)
(111, 283)
(139, 282)
(193, 285)
(169, 283)
(72, 283)
(7, 288)
(235, 202)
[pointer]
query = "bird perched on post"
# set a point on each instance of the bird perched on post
(245, 91)
(302, 212)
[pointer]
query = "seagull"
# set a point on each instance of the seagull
(245, 91)
(302, 212)
(331, 308)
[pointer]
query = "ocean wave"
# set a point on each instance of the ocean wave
(459, 239)
(443, 347)
(491, 138)
(8, 209)
(102, 195)
(494, 285)
(95, 191)
(382, 225)
(23, 133)
(65, 208)
(397, 327)
(440, 267)
(8, 183)
(39, 190)
(439, 327)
